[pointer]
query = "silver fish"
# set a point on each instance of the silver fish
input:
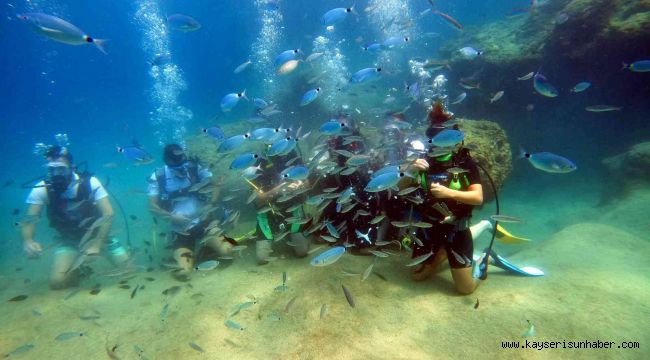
(233, 325)
(196, 347)
(367, 272)
(420, 259)
(323, 311)
(505, 218)
(378, 253)
(348, 295)
(407, 191)
(68, 335)
(377, 219)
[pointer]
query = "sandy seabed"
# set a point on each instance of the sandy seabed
(596, 288)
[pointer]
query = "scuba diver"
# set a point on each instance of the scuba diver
(365, 206)
(78, 208)
(270, 187)
(174, 193)
(451, 187)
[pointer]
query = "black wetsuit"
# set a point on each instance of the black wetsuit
(67, 222)
(368, 202)
(269, 178)
(455, 237)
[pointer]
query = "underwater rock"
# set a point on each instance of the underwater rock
(629, 170)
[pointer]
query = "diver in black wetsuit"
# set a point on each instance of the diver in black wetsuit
(270, 187)
(360, 232)
(451, 187)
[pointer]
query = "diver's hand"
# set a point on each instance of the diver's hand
(440, 191)
(419, 165)
(295, 185)
(32, 248)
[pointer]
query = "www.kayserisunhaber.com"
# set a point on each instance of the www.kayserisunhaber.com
(585, 344)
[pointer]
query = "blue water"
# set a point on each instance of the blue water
(103, 101)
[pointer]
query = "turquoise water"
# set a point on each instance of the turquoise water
(587, 226)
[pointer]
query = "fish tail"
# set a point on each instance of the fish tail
(100, 44)
(243, 94)
(625, 66)
(522, 153)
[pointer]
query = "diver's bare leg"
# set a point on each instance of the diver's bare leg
(423, 272)
(185, 260)
(64, 258)
(219, 245)
(465, 283)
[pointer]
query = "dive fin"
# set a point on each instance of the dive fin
(507, 238)
(504, 264)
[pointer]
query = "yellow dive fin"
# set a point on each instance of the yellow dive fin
(507, 238)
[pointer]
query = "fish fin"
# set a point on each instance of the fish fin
(624, 66)
(50, 31)
(243, 94)
(100, 44)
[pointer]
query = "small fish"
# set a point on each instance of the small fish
(407, 191)
(638, 66)
(476, 305)
(288, 67)
(172, 290)
(164, 312)
(196, 347)
(543, 86)
(603, 108)
(95, 291)
(449, 19)
(230, 100)
(549, 162)
(328, 257)
(497, 96)
(19, 350)
(310, 96)
(580, 87)
(469, 53)
(530, 331)
(335, 16)
(314, 56)
(242, 67)
(348, 295)
(527, 76)
(422, 225)
(505, 218)
(207, 265)
(329, 238)
(289, 305)
(18, 298)
(72, 293)
(182, 23)
(367, 272)
(323, 311)
(384, 181)
(377, 219)
(136, 154)
(365, 75)
(68, 335)
(59, 30)
(448, 138)
(420, 259)
(380, 254)
(135, 291)
(459, 99)
(36, 312)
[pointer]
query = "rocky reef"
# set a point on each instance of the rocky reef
(570, 40)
